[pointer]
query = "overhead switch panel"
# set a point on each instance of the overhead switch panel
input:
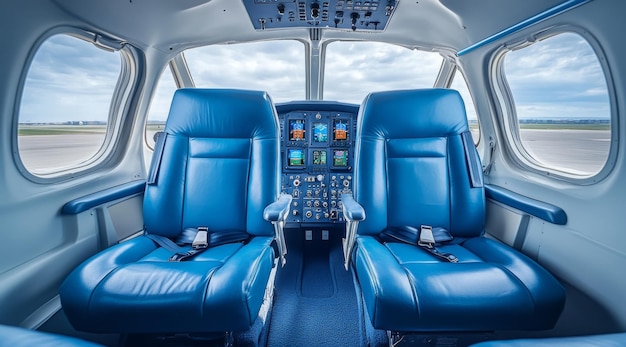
(370, 15)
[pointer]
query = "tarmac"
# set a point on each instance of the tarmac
(584, 151)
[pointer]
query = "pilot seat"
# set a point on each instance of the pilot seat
(215, 173)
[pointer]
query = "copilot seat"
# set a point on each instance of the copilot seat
(416, 226)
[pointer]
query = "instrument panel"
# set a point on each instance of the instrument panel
(317, 148)
(368, 15)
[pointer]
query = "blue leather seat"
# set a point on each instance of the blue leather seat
(217, 166)
(601, 340)
(415, 164)
(19, 337)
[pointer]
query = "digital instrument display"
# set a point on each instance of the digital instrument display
(296, 130)
(320, 132)
(340, 157)
(317, 152)
(319, 157)
(295, 157)
(340, 130)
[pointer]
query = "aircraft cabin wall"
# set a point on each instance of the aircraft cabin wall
(587, 252)
(40, 241)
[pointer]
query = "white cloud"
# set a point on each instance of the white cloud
(73, 80)
(354, 69)
(276, 67)
(69, 80)
(557, 77)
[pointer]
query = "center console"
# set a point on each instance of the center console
(317, 147)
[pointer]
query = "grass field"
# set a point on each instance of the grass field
(30, 130)
(565, 126)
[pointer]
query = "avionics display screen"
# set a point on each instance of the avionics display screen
(340, 130)
(296, 130)
(319, 157)
(320, 132)
(340, 157)
(295, 157)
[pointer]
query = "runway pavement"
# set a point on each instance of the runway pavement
(40, 152)
(582, 150)
(585, 151)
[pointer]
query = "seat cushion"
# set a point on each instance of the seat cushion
(604, 340)
(492, 287)
(132, 288)
(19, 337)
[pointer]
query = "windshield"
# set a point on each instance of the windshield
(273, 66)
(352, 69)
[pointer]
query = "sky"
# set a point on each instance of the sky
(558, 77)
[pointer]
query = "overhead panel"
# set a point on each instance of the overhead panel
(370, 15)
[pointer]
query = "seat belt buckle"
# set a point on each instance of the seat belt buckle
(426, 238)
(201, 240)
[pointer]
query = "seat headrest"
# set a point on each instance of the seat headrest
(222, 113)
(414, 113)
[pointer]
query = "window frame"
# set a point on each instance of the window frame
(148, 143)
(457, 70)
(507, 112)
(119, 107)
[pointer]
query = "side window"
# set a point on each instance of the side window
(562, 110)
(64, 110)
(160, 106)
(459, 83)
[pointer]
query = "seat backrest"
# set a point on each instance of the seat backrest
(216, 165)
(414, 164)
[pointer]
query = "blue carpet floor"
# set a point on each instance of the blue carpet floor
(315, 302)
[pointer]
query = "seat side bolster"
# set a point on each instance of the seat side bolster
(242, 279)
(75, 291)
(20, 337)
(546, 291)
(605, 340)
(387, 290)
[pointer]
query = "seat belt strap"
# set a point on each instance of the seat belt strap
(426, 237)
(202, 240)
(165, 243)
(427, 242)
